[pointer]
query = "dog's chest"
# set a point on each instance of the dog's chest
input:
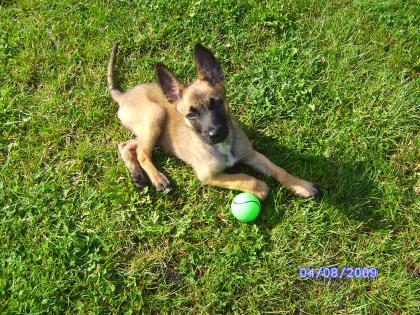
(224, 149)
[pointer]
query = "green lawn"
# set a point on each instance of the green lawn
(327, 89)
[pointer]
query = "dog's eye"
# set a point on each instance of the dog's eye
(192, 115)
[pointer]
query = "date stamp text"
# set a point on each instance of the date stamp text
(338, 272)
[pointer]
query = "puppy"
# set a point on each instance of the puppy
(193, 123)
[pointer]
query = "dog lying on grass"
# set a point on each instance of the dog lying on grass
(192, 122)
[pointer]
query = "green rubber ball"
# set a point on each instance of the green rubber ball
(246, 207)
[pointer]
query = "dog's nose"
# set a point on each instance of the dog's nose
(215, 133)
(212, 132)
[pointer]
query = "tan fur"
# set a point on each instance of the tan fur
(146, 111)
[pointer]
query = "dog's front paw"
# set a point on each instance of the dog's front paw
(260, 189)
(161, 183)
(306, 189)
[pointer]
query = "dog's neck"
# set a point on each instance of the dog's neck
(225, 150)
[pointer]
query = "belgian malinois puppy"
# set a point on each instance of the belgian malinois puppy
(193, 123)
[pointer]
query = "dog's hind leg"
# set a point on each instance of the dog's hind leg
(147, 135)
(128, 151)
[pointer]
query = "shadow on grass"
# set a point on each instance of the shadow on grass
(345, 185)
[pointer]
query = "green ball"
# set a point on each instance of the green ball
(246, 207)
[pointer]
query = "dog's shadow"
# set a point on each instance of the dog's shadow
(345, 185)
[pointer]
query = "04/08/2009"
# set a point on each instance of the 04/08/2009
(338, 272)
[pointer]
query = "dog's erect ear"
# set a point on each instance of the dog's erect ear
(207, 66)
(169, 83)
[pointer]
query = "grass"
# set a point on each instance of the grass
(327, 89)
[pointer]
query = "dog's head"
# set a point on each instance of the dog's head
(202, 103)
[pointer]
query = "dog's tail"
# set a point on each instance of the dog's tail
(115, 93)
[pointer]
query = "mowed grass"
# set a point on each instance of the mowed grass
(327, 89)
